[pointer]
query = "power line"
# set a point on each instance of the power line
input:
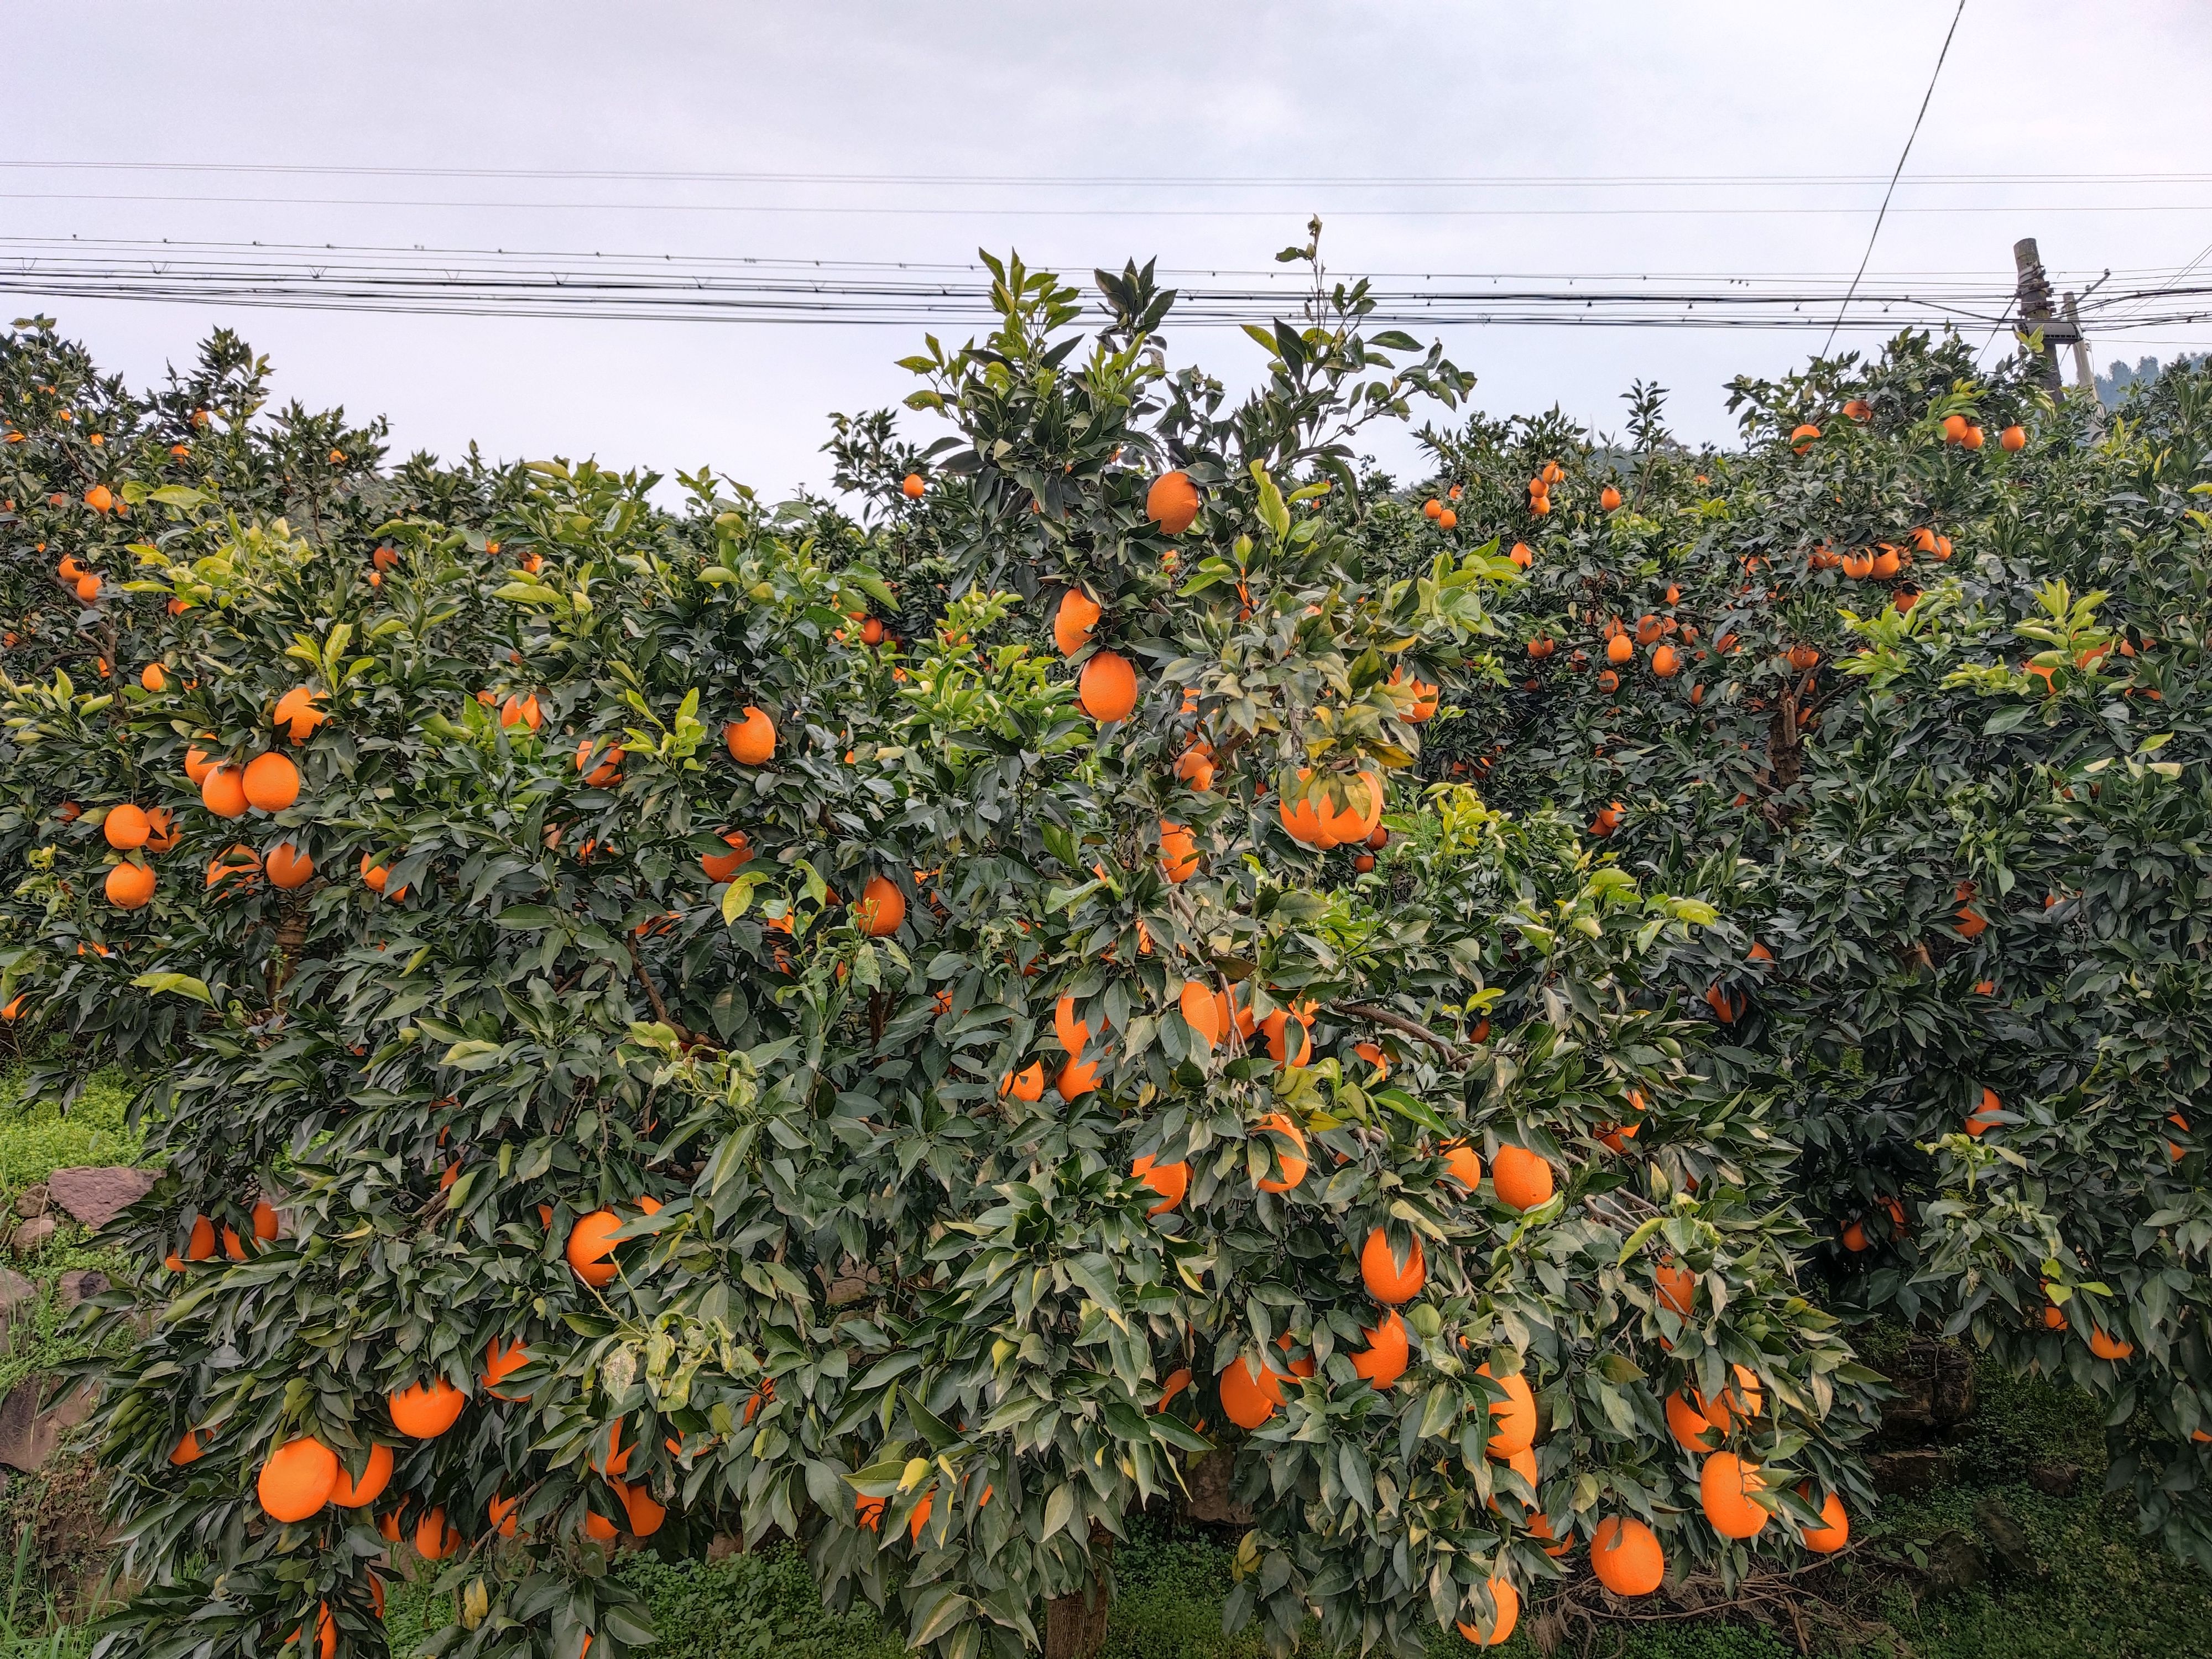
(1884, 212)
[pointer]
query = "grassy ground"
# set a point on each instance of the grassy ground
(2082, 1585)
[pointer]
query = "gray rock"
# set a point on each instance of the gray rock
(97, 1196)
(30, 1237)
(32, 1200)
(17, 1294)
(1208, 1479)
(2055, 1479)
(2004, 1536)
(1956, 1562)
(1935, 1384)
(18, 1414)
(81, 1282)
(1909, 1473)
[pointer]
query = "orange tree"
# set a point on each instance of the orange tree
(897, 1035)
(1907, 686)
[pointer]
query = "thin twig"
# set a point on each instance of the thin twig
(1399, 1022)
(653, 995)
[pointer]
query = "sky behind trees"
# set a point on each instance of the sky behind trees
(1614, 141)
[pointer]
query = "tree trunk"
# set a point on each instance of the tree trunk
(1075, 1625)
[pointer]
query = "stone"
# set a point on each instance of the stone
(1934, 1384)
(18, 1414)
(1909, 1473)
(1956, 1562)
(97, 1196)
(1207, 1481)
(32, 1200)
(2055, 1479)
(18, 1296)
(30, 1237)
(81, 1282)
(2004, 1536)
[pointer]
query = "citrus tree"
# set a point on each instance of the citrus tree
(898, 1034)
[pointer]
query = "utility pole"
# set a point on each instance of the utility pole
(2034, 297)
(2084, 377)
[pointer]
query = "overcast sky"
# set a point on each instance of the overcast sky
(940, 95)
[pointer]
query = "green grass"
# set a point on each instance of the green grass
(37, 1138)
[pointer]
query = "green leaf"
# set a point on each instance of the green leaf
(183, 985)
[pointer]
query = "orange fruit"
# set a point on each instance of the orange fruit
(1621, 649)
(588, 1251)
(912, 486)
(751, 739)
(434, 1539)
(288, 867)
(1725, 1488)
(1835, 1530)
(1689, 1426)
(126, 828)
(129, 886)
(1802, 439)
(1522, 1180)
(198, 762)
(1250, 1392)
(1389, 1279)
(1170, 1181)
(271, 782)
(882, 908)
(1172, 502)
(1677, 1287)
(1294, 1165)
(722, 867)
(1984, 1118)
(2106, 1346)
(1625, 1556)
(1194, 766)
(1859, 410)
(1425, 698)
(1106, 689)
(222, 791)
(1276, 1027)
(1609, 498)
(2013, 439)
(1513, 1420)
(152, 677)
(645, 1514)
(375, 874)
(1384, 1360)
(297, 1478)
(1027, 1085)
(500, 1363)
(1463, 1165)
(1955, 428)
(1666, 662)
(1074, 621)
(521, 710)
(187, 1450)
(1973, 438)
(1741, 1401)
(609, 770)
(1202, 1012)
(1078, 1078)
(1178, 852)
(1506, 1613)
(375, 1475)
(503, 1513)
(423, 1411)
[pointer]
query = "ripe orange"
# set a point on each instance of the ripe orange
(1985, 1116)
(1432, 509)
(126, 828)
(1170, 1181)
(912, 486)
(522, 710)
(297, 1479)
(1078, 1078)
(500, 1363)
(1955, 428)
(1513, 1420)
(1294, 1164)
(1859, 410)
(1690, 1427)
(750, 740)
(222, 790)
(434, 1539)
(1625, 1556)
(1973, 438)
(2013, 438)
(1855, 1238)
(270, 782)
(1743, 1400)
(588, 1251)
(99, 498)
(1621, 649)
(375, 874)
(187, 1450)
(1609, 498)
(1677, 1287)
(1389, 1279)
(1666, 662)
(721, 867)
(152, 677)
(1522, 1180)
(1250, 1391)
(288, 867)
(198, 762)
(645, 1514)
(1027, 1085)
(1384, 1360)
(882, 908)
(1178, 852)
(1802, 439)
(1835, 1530)
(1463, 1165)
(1194, 766)
(1074, 621)
(1521, 555)
(423, 1411)
(503, 1514)
(1448, 519)
(1172, 502)
(608, 771)
(1506, 1613)
(1106, 689)
(350, 1494)
(1726, 1486)
(2106, 1346)
(1203, 1012)
(129, 886)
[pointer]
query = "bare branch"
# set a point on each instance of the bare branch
(1399, 1023)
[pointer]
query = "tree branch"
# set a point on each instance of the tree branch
(1399, 1022)
(652, 994)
